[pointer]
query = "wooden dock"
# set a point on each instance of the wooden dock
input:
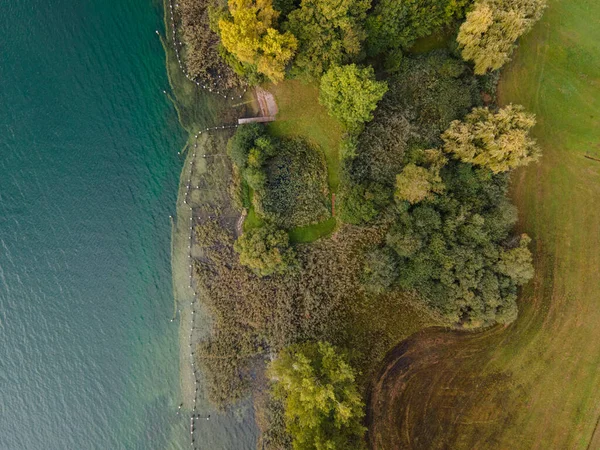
(256, 120)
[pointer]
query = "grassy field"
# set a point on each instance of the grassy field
(535, 383)
(301, 114)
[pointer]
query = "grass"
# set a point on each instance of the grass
(301, 114)
(311, 233)
(533, 384)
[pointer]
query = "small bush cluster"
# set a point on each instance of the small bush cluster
(288, 176)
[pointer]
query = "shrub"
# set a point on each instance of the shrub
(361, 204)
(396, 24)
(380, 270)
(295, 188)
(265, 250)
(242, 141)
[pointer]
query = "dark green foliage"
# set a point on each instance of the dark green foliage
(380, 270)
(363, 203)
(295, 190)
(426, 95)
(242, 141)
(431, 91)
(329, 33)
(323, 408)
(451, 249)
(394, 24)
(285, 6)
(288, 176)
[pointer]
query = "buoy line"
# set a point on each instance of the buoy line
(177, 45)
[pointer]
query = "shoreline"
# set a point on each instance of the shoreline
(196, 109)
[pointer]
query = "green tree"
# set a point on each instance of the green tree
(350, 94)
(363, 203)
(415, 184)
(396, 24)
(329, 33)
(516, 263)
(265, 250)
(498, 140)
(251, 38)
(242, 141)
(323, 408)
(489, 34)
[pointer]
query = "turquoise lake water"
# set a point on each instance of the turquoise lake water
(88, 179)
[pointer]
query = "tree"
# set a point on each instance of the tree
(415, 184)
(265, 250)
(350, 94)
(516, 263)
(396, 24)
(488, 35)
(323, 408)
(251, 38)
(363, 203)
(329, 33)
(242, 141)
(499, 141)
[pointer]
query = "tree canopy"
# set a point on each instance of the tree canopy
(395, 24)
(489, 34)
(329, 33)
(251, 37)
(498, 140)
(323, 408)
(265, 250)
(350, 94)
(414, 184)
(453, 248)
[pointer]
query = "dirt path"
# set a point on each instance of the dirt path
(266, 102)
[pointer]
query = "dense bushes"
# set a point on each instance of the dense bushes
(450, 225)
(329, 33)
(394, 24)
(288, 176)
(423, 98)
(265, 250)
(454, 248)
(323, 408)
(295, 192)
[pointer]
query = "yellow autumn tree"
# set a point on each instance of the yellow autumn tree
(251, 38)
(498, 140)
(488, 35)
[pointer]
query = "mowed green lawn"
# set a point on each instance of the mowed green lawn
(554, 349)
(536, 383)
